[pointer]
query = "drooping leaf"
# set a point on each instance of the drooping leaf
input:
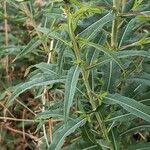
(39, 81)
(136, 108)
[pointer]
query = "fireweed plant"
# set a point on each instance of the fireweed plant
(75, 75)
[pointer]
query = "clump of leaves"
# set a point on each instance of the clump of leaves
(83, 74)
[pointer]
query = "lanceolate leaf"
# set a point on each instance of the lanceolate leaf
(107, 52)
(143, 78)
(121, 118)
(136, 128)
(140, 146)
(70, 87)
(34, 43)
(123, 54)
(115, 140)
(136, 108)
(60, 134)
(53, 35)
(129, 29)
(50, 114)
(40, 81)
(47, 68)
(131, 53)
(92, 30)
(129, 5)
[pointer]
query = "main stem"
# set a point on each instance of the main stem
(84, 73)
(114, 36)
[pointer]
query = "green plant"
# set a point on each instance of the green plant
(87, 67)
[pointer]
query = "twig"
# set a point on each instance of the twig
(23, 129)
(19, 132)
(45, 97)
(6, 59)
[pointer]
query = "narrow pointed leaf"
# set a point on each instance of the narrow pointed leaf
(47, 68)
(92, 30)
(70, 87)
(115, 140)
(40, 81)
(107, 52)
(136, 108)
(60, 134)
(129, 30)
(140, 146)
(136, 128)
(123, 54)
(34, 43)
(50, 114)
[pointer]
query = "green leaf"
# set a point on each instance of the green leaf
(131, 26)
(70, 88)
(140, 146)
(53, 35)
(109, 53)
(50, 114)
(9, 50)
(132, 53)
(129, 5)
(123, 54)
(93, 29)
(121, 117)
(143, 78)
(33, 44)
(136, 108)
(111, 76)
(39, 81)
(136, 128)
(60, 134)
(87, 134)
(47, 68)
(115, 139)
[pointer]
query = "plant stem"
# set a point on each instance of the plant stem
(44, 98)
(6, 38)
(84, 75)
(114, 34)
(114, 43)
(123, 5)
(97, 114)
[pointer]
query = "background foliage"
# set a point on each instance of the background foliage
(75, 74)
